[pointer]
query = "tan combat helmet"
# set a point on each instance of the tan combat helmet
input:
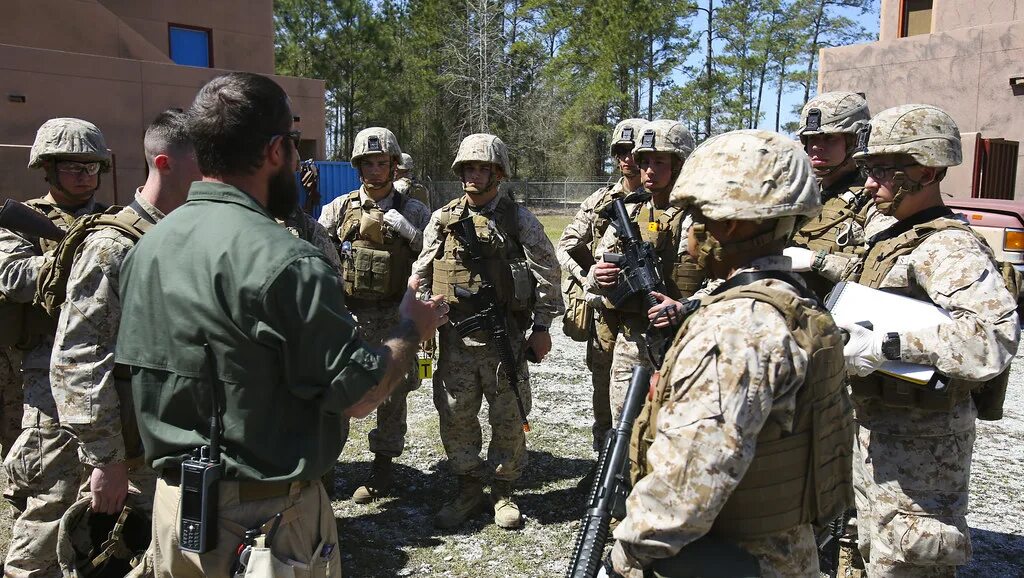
(749, 175)
(91, 545)
(664, 136)
(406, 163)
(70, 139)
(375, 140)
(485, 148)
(626, 134)
(833, 112)
(926, 133)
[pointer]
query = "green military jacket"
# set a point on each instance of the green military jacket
(220, 270)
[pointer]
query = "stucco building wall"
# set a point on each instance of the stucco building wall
(107, 61)
(964, 67)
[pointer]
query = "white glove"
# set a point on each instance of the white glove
(802, 258)
(863, 352)
(400, 224)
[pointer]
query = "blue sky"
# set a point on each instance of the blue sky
(870, 21)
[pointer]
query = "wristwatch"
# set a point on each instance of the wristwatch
(539, 328)
(819, 260)
(891, 346)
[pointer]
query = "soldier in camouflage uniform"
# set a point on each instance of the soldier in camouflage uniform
(380, 231)
(912, 459)
(661, 149)
(92, 394)
(407, 184)
(582, 235)
(42, 466)
(828, 131)
(751, 411)
(521, 263)
(11, 397)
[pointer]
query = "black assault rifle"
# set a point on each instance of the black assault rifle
(489, 316)
(639, 273)
(611, 484)
(26, 221)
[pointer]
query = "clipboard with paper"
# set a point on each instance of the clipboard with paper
(854, 303)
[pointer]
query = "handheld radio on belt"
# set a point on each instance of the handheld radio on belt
(200, 474)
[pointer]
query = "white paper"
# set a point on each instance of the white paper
(854, 303)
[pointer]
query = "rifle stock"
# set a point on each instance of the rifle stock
(611, 485)
(21, 219)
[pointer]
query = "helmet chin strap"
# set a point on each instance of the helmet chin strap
(825, 172)
(904, 186)
(54, 180)
(472, 189)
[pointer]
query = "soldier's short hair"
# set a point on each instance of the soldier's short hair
(168, 133)
(233, 118)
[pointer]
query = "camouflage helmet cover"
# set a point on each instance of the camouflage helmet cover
(83, 535)
(833, 112)
(664, 136)
(485, 148)
(406, 163)
(926, 133)
(71, 139)
(626, 133)
(375, 140)
(748, 175)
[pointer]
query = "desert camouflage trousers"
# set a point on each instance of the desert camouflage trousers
(465, 376)
(388, 438)
(911, 493)
(600, 350)
(11, 397)
(630, 350)
(305, 543)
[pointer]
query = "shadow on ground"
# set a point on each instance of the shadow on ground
(377, 542)
(995, 554)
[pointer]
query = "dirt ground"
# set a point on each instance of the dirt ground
(396, 537)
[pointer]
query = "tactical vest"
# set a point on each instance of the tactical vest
(824, 232)
(503, 259)
(378, 265)
(52, 284)
(581, 322)
(25, 325)
(893, 392)
(796, 477)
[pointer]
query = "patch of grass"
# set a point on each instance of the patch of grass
(554, 224)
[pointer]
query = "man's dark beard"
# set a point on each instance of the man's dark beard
(282, 194)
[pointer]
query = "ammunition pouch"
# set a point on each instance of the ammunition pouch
(12, 318)
(368, 274)
(578, 321)
(25, 325)
(989, 397)
(893, 392)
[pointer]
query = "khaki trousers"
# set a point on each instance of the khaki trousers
(304, 545)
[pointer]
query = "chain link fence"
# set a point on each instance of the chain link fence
(555, 194)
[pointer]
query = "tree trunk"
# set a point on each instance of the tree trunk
(814, 49)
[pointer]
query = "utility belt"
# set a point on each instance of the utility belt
(248, 490)
(893, 392)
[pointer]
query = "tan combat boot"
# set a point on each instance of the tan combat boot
(468, 502)
(506, 512)
(379, 484)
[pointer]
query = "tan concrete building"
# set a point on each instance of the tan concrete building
(965, 56)
(118, 63)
